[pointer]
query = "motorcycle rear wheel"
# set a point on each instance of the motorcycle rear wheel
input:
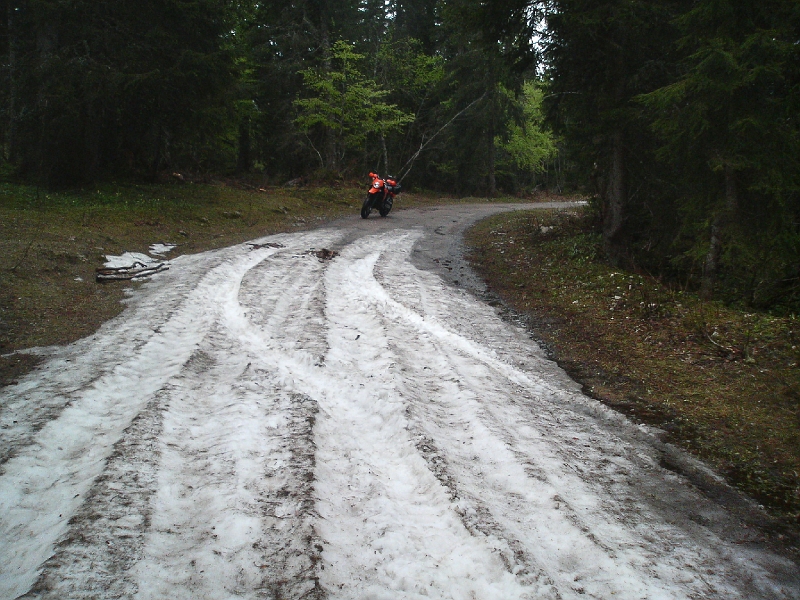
(387, 206)
(366, 208)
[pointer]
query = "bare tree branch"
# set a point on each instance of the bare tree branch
(424, 144)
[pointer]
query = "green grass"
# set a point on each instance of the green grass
(722, 383)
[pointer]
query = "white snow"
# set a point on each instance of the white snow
(161, 248)
(128, 259)
(262, 423)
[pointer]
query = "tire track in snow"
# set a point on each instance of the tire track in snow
(72, 371)
(286, 301)
(617, 566)
(105, 536)
(238, 447)
(232, 504)
(350, 429)
(347, 455)
(477, 518)
(475, 515)
(47, 480)
(389, 526)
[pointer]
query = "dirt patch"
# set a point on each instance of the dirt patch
(14, 366)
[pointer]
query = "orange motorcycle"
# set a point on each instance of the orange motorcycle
(381, 195)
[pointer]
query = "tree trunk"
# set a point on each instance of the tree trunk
(158, 138)
(718, 224)
(331, 158)
(12, 82)
(712, 259)
(491, 151)
(614, 202)
(94, 142)
(385, 156)
(616, 192)
(244, 159)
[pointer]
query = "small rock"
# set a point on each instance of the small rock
(325, 254)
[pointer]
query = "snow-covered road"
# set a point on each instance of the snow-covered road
(261, 423)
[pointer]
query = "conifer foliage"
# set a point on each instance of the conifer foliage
(138, 88)
(680, 117)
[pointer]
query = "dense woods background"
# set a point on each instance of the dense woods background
(679, 117)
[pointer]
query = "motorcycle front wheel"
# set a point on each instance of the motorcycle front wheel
(366, 208)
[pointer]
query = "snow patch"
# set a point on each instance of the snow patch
(161, 249)
(129, 259)
(352, 428)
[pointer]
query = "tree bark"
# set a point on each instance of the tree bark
(616, 194)
(490, 148)
(615, 201)
(331, 157)
(719, 222)
(94, 143)
(157, 140)
(244, 158)
(12, 82)
(385, 155)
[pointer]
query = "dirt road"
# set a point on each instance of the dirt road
(264, 422)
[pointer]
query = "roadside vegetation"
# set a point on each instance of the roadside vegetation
(720, 381)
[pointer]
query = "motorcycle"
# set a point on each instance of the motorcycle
(381, 195)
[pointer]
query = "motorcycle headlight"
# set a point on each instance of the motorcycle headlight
(377, 184)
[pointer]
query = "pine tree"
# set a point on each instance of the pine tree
(107, 86)
(345, 106)
(730, 129)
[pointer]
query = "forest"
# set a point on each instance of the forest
(680, 119)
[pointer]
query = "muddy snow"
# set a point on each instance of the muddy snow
(261, 422)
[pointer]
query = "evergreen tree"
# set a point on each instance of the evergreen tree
(285, 38)
(729, 126)
(344, 106)
(601, 55)
(104, 86)
(478, 77)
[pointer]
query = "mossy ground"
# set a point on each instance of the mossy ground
(722, 383)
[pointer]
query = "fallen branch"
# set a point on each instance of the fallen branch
(24, 255)
(137, 269)
(731, 351)
(424, 144)
(267, 245)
